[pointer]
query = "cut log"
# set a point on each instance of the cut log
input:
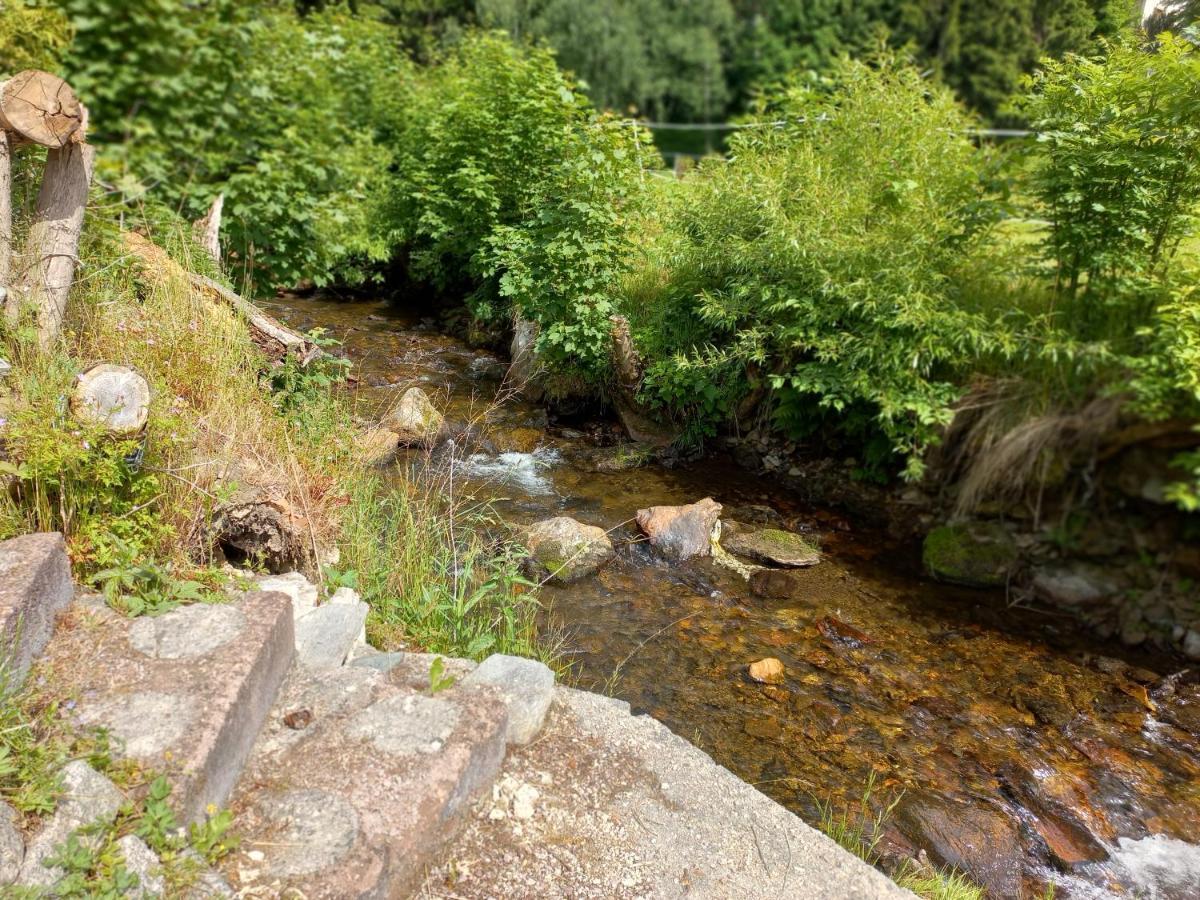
(47, 267)
(270, 335)
(115, 397)
(208, 229)
(41, 108)
(257, 524)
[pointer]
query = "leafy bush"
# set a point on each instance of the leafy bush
(824, 261)
(507, 181)
(1117, 174)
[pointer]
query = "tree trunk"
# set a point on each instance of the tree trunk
(48, 263)
(271, 336)
(208, 229)
(41, 108)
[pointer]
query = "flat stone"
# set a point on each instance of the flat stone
(186, 632)
(12, 845)
(377, 446)
(191, 716)
(1078, 585)
(606, 804)
(35, 585)
(360, 802)
(316, 830)
(141, 861)
(771, 545)
(681, 532)
(406, 723)
(87, 797)
(145, 723)
(325, 637)
(412, 669)
(303, 592)
(568, 550)
(527, 687)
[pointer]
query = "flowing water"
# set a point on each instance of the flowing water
(1013, 743)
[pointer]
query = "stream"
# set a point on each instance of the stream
(1011, 743)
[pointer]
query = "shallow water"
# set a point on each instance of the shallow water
(1054, 758)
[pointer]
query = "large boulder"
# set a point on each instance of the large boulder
(567, 549)
(771, 545)
(974, 554)
(681, 532)
(414, 419)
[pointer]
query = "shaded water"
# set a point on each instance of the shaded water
(1022, 748)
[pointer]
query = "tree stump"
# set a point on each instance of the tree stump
(41, 108)
(114, 397)
(208, 229)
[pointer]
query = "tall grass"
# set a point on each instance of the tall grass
(437, 570)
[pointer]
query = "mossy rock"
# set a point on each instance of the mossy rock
(974, 554)
(771, 545)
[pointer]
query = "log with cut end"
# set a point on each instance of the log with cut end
(114, 397)
(41, 108)
(271, 336)
(257, 523)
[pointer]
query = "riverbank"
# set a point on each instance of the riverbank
(951, 696)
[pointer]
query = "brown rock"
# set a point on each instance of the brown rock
(767, 671)
(980, 841)
(681, 532)
(778, 584)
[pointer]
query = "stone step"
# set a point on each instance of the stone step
(184, 694)
(359, 779)
(35, 585)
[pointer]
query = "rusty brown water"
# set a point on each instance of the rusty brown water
(1017, 746)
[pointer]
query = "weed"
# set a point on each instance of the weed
(439, 680)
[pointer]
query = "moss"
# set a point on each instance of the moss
(975, 554)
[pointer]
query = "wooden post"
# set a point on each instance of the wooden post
(47, 266)
(5, 216)
(40, 108)
(208, 229)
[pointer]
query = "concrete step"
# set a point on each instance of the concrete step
(185, 693)
(35, 586)
(358, 780)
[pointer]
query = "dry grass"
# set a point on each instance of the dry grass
(1008, 441)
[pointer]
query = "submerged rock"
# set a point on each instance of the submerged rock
(767, 671)
(414, 419)
(770, 545)
(981, 842)
(567, 549)
(777, 584)
(974, 554)
(681, 532)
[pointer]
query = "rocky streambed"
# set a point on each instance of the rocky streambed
(1021, 751)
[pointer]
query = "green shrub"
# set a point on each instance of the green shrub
(511, 187)
(824, 261)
